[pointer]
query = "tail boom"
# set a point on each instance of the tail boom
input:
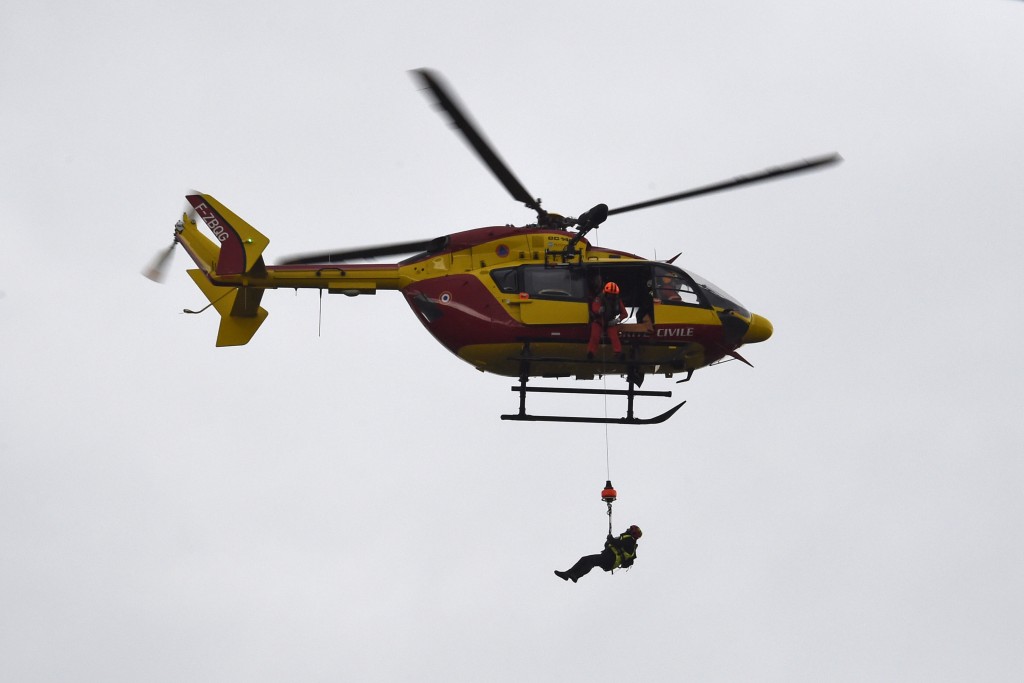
(233, 276)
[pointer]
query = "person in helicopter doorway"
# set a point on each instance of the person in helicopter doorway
(618, 552)
(606, 312)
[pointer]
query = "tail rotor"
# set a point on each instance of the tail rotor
(157, 268)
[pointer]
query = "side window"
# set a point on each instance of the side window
(554, 283)
(671, 288)
(507, 280)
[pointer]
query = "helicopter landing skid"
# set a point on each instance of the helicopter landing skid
(628, 419)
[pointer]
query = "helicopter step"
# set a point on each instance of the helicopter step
(629, 418)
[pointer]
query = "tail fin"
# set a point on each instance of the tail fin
(241, 245)
(240, 254)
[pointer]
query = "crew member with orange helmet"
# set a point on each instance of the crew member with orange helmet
(618, 552)
(668, 289)
(606, 311)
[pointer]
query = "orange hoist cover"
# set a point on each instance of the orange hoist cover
(608, 494)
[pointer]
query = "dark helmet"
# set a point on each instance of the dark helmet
(634, 531)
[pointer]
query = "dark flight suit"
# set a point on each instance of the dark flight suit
(618, 552)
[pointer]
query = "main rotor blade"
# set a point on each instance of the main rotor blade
(367, 252)
(473, 136)
(759, 176)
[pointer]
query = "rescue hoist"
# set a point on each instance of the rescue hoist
(608, 495)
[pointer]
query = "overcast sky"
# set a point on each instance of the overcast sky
(347, 505)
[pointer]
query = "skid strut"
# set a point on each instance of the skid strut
(629, 393)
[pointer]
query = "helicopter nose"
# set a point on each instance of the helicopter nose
(759, 330)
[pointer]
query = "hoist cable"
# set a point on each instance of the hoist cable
(607, 450)
(607, 447)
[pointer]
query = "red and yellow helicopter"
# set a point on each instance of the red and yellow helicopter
(514, 301)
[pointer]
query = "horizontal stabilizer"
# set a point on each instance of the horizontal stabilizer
(240, 312)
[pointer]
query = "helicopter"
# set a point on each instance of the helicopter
(513, 301)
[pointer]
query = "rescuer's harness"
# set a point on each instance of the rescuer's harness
(623, 558)
(610, 307)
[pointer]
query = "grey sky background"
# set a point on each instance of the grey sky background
(349, 506)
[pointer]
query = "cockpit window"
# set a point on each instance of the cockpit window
(670, 287)
(717, 296)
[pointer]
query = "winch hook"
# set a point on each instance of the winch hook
(608, 495)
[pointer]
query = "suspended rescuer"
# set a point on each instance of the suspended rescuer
(618, 552)
(606, 311)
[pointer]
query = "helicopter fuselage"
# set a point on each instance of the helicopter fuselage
(506, 298)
